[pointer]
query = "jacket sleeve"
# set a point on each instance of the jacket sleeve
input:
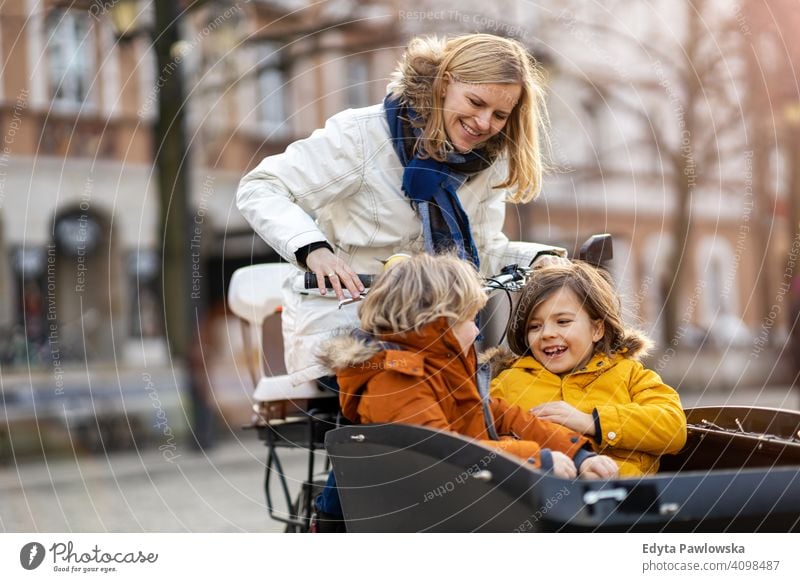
(282, 195)
(495, 250)
(512, 420)
(653, 422)
(397, 397)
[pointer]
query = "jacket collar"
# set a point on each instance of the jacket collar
(435, 338)
(434, 341)
(598, 364)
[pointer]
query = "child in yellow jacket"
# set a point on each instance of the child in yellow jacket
(579, 367)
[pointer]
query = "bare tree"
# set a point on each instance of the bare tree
(678, 79)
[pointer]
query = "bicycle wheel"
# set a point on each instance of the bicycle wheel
(303, 506)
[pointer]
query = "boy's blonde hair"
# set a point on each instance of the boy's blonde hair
(419, 290)
(597, 296)
(479, 59)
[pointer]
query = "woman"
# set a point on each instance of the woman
(430, 168)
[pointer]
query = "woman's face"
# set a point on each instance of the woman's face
(474, 113)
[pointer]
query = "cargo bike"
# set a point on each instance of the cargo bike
(739, 471)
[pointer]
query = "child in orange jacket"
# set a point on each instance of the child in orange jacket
(414, 362)
(579, 367)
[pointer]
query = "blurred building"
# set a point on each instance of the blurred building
(656, 139)
(80, 244)
(79, 211)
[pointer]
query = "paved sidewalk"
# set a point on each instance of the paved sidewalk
(220, 491)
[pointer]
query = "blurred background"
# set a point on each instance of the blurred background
(127, 125)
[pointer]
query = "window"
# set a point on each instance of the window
(358, 81)
(70, 57)
(718, 271)
(272, 91)
(593, 107)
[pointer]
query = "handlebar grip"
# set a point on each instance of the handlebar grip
(310, 281)
(597, 250)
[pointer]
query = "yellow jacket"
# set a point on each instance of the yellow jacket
(640, 416)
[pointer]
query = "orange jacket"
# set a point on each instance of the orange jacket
(640, 416)
(430, 382)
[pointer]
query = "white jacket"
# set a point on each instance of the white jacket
(343, 185)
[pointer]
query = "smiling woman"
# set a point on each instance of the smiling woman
(431, 168)
(459, 85)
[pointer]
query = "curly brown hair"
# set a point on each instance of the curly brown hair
(595, 290)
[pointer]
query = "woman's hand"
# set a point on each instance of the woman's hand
(565, 414)
(563, 466)
(323, 263)
(599, 467)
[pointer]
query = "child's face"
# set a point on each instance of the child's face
(466, 333)
(560, 333)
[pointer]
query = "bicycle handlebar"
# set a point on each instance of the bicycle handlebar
(597, 250)
(510, 274)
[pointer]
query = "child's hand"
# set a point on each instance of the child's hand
(599, 467)
(563, 466)
(567, 415)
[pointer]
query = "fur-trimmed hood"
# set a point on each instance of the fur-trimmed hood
(359, 357)
(347, 350)
(351, 350)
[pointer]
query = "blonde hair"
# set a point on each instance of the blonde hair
(419, 290)
(597, 296)
(420, 80)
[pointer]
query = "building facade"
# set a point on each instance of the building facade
(80, 241)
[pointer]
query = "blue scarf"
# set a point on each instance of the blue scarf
(432, 186)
